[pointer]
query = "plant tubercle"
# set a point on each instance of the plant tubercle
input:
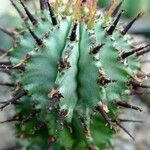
(73, 68)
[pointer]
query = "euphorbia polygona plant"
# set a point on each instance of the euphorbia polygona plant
(72, 68)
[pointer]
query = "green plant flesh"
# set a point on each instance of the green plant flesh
(72, 66)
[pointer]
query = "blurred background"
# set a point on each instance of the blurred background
(141, 35)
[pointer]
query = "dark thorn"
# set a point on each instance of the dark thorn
(55, 96)
(104, 115)
(2, 50)
(11, 34)
(63, 64)
(129, 120)
(125, 130)
(31, 17)
(73, 33)
(143, 52)
(5, 63)
(3, 102)
(7, 84)
(113, 26)
(84, 1)
(40, 125)
(96, 49)
(139, 93)
(62, 116)
(38, 40)
(117, 8)
(43, 4)
(21, 65)
(141, 48)
(127, 54)
(129, 25)
(52, 15)
(54, 101)
(14, 99)
(6, 54)
(20, 118)
(16, 117)
(10, 120)
(17, 9)
(103, 81)
(7, 67)
(136, 85)
(126, 105)
(84, 125)
(52, 104)
(30, 116)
